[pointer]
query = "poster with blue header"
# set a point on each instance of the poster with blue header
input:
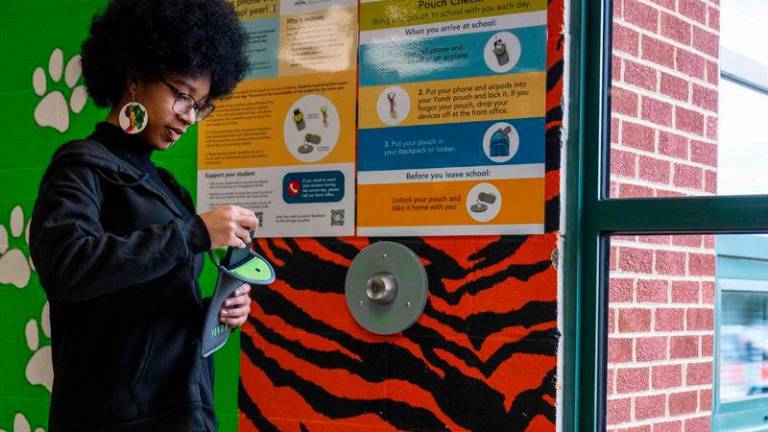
(451, 128)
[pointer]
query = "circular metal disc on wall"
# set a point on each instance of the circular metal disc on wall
(378, 271)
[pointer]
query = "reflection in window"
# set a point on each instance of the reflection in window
(743, 344)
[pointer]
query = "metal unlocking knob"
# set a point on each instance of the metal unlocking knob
(386, 288)
(381, 287)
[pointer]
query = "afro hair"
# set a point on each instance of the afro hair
(147, 40)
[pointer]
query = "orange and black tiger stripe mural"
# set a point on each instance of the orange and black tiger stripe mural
(483, 356)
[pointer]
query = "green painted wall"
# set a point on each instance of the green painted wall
(42, 107)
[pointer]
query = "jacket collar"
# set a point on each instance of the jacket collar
(129, 148)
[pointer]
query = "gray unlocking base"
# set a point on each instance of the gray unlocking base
(386, 288)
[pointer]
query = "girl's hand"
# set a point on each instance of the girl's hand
(237, 307)
(230, 226)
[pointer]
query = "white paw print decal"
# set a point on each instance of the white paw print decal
(40, 367)
(21, 424)
(15, 268)
(53, 110)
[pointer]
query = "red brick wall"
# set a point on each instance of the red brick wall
(663, 143)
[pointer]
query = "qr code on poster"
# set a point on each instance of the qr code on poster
(260, 217)
(337, 217)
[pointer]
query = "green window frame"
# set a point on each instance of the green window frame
(591, 217)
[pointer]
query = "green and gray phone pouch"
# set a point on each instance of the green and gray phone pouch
(237, 267)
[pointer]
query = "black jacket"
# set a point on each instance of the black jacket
(118, 256)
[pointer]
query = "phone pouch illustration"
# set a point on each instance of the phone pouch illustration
(500, 51)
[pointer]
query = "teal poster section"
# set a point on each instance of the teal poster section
(443, 147)
(449, 57)
(45, 105)
(263, 46)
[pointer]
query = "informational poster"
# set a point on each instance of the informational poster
(283, 145)
(451, 117)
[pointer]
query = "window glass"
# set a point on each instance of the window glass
(743, 148)
(743, 341)
(661, 330)
(689, 89)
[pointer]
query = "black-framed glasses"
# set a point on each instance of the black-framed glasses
(185, 102)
